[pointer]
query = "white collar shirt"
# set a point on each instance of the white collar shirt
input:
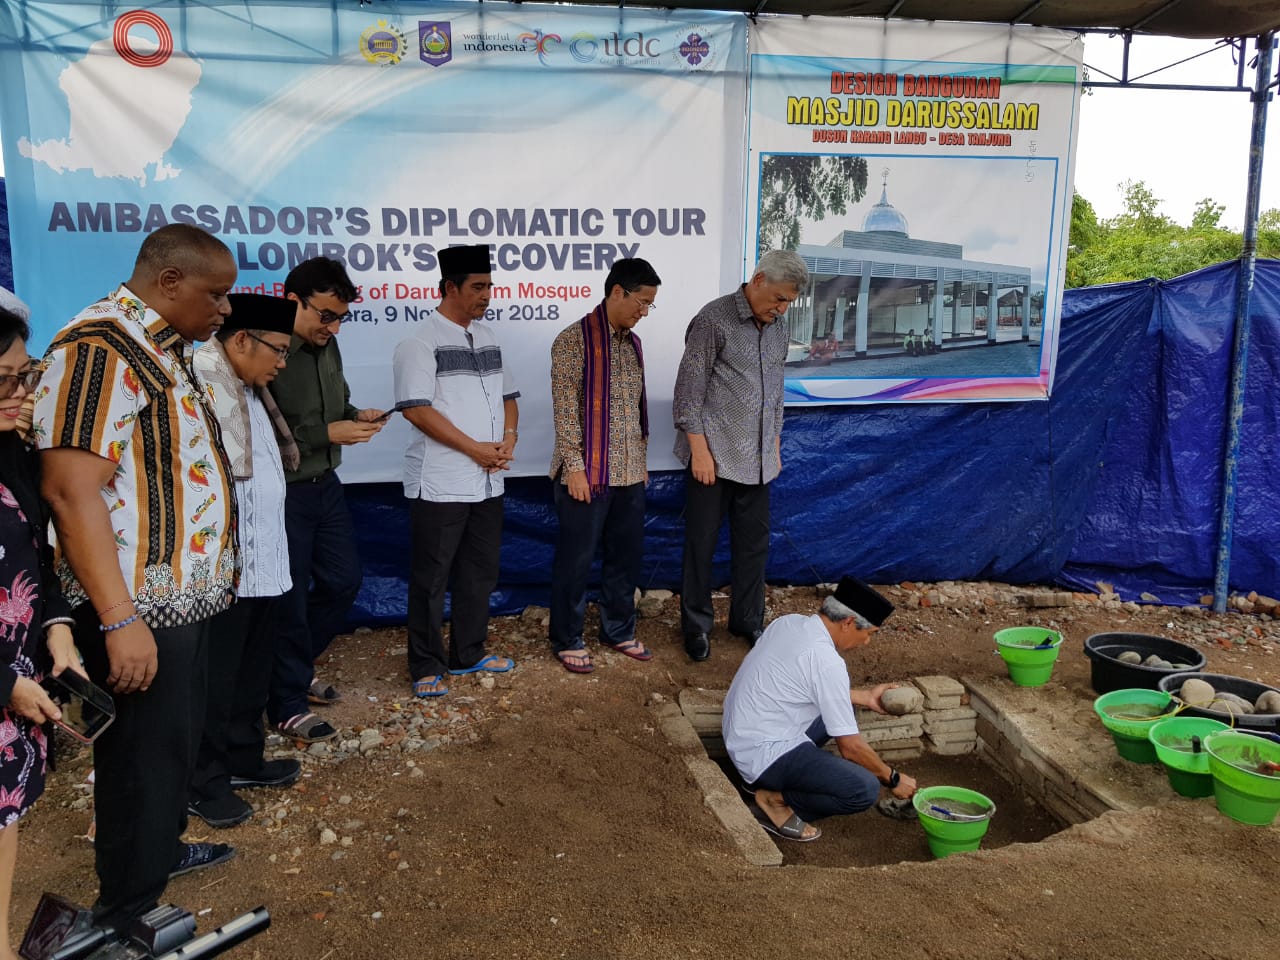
(792, 676)
(459, 372)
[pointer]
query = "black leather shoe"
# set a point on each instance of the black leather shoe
(751, 636)
(272, 773)
(697, 646)
(221, 812)
(198, 856)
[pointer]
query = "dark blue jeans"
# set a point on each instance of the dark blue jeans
(325, 568)
(817, 784)
(613, 520)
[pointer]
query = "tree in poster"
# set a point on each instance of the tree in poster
(808, 187)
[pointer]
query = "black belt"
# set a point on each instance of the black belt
(315, 479)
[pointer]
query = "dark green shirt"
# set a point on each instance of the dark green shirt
(312, 393)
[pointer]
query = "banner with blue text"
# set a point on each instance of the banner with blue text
(562, 138)
(923, 172)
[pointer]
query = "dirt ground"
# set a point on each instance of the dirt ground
(543, 815)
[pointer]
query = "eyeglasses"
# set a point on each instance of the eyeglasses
(281, 352)
(10, 382)
(327, 317)
(645, 305)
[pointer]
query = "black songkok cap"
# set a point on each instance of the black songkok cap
(254, 311)
(464, 261)
(863, 600)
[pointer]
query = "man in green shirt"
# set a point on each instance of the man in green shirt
(312, 393)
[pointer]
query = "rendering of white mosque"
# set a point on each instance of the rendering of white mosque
(873, 287)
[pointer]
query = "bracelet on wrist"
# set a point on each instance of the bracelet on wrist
(103, 613)
(108, 627)
(69, 621)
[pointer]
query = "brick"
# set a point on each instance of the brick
(901, 753)
(955, 713)
(913, 720)
(987, 731)
(905, 743)
(680, 734)
(947, 739)
(953, 726)
(954, 749)
(938, 687)
(889, 734)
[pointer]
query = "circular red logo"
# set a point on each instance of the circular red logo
(142, 18)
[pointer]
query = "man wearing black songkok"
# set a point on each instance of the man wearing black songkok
(789, 697)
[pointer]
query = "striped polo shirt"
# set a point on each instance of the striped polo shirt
(458, 371)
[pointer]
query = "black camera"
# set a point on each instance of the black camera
(60, 930)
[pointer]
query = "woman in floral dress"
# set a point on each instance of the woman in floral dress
(35, 632)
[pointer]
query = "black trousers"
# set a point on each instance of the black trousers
(706, 506)
(242, 649)
(456, 547)
(326, 573)
(142, 766)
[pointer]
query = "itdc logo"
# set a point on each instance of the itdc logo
(435, 42)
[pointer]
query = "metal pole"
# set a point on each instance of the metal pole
(1240, 343)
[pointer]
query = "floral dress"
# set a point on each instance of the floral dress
(23, 747)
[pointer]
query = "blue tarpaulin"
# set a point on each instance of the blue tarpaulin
(1117, 477)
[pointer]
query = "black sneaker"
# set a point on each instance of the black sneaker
(197, 856)
(272, 773)
(221, 812)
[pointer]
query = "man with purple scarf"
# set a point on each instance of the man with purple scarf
(598, 466)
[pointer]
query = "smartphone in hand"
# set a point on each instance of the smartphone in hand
(87, 709)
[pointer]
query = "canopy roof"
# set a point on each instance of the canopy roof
(1174, 18)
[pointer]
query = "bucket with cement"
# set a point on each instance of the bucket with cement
(1029, 653)
(954, 819)
(1179, 745)
(1129, 715)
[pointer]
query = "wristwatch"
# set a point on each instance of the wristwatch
(894, 779)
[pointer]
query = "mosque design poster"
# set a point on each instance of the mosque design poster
(923, 172)
(378, 134)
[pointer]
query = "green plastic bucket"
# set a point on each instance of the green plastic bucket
(1187, 768)
(1243, 792)
(954, 819)
(1030, 662)
(1130, 715)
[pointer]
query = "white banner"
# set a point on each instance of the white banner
(923, 171)
(563, 138)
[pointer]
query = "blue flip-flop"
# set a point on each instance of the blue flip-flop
(484, 665)
(424, 687)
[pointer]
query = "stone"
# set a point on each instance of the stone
(1196, 693)
(1130, 656)
(902, 700)
(660, 595)
(1148, 597)
(1206, 600)
(487, 682)
(648, 608)
(321, 749)
(1233, 703)
(539, 616)
(327, 837)
(1268, 702)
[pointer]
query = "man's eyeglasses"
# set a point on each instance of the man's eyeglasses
(645, 305)
(28, 379)
(327, 317)
(281, 352)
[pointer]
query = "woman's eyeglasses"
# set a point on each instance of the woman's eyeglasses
(28, 380)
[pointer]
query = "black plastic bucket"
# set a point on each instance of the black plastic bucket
(1109, 674)
(1250, 690)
